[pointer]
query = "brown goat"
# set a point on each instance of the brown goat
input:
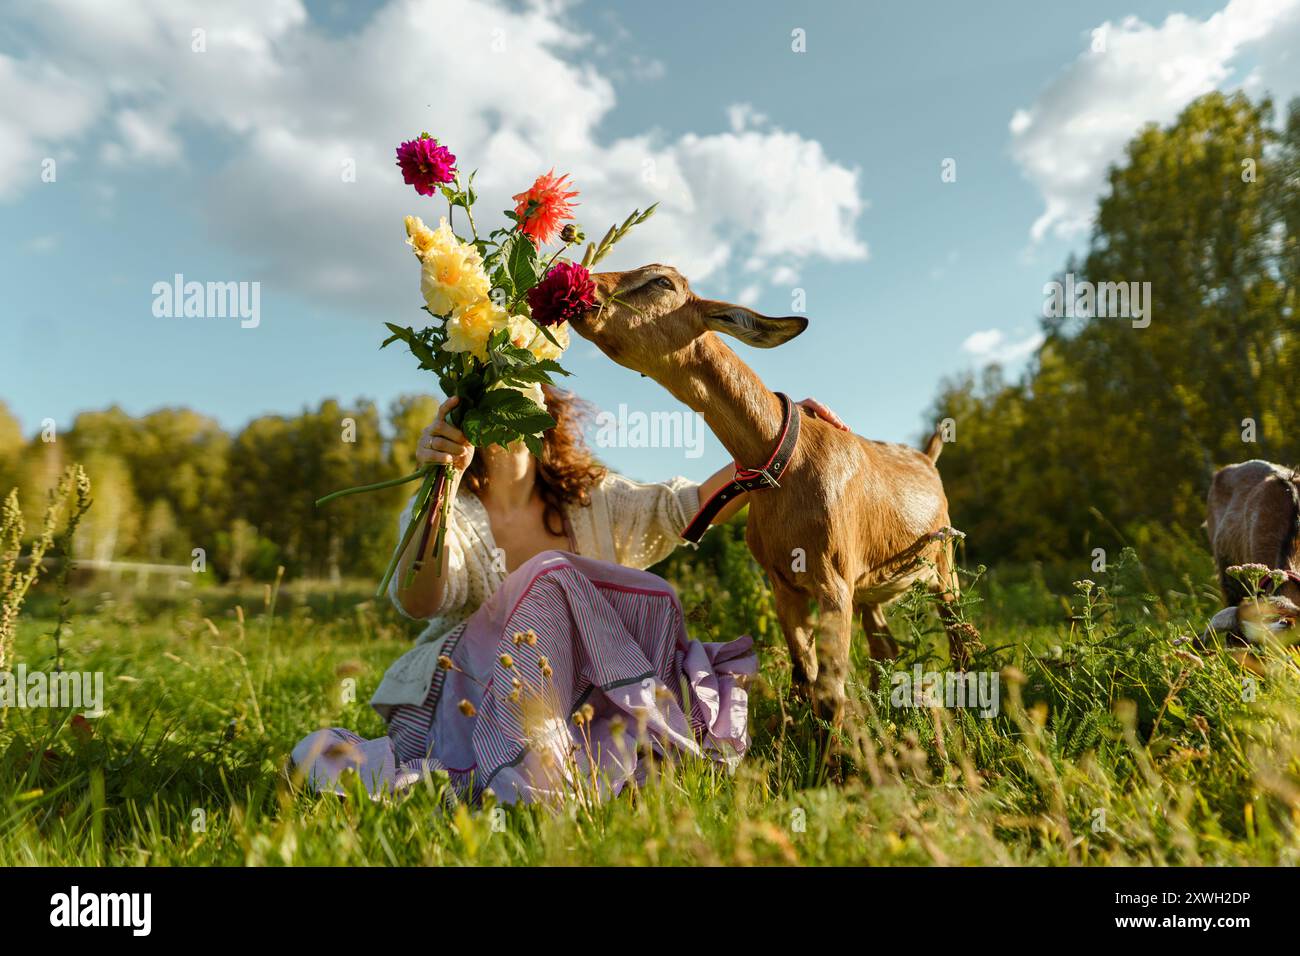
(1253, 517)
(853, 524)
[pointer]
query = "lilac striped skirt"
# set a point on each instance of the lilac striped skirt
(571, 675)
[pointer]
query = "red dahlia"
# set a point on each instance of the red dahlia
(564, 294)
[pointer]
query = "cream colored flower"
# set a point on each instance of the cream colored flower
(418, 236)
(451, 276)
(542, 348)
(468, 330)
(526, 335)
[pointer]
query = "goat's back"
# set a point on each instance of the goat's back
(1253, 514)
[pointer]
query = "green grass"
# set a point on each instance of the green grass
(1112, 746)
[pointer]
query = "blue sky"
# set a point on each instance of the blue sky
(777, 171)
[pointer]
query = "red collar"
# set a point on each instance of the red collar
(751, 479)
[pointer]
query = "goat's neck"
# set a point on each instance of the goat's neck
(735, 403)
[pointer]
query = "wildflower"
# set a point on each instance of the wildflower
(425, 164)
(530, 637)
(507, 661)
(342, 750)
(565, 294)
(970, 635)
(82, 729)
(517, 637)
(467, 708)
(1190, 658)
(545, 666)
(588, 712)
(444, 662)
(543, 206)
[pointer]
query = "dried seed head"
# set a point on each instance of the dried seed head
(507, 661)
(444, 662)
(467, 708)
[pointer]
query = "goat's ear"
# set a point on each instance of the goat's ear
(752, 328)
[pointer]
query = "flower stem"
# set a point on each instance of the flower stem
(420, 508)
(378, 486)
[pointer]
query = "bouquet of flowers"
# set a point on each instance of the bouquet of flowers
(500, 308)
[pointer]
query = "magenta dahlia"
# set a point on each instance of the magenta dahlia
(565, 293)
(425, 164)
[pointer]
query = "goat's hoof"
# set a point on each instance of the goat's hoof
(801, 689)
(829, 707)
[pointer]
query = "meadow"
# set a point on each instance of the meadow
(1116, 741)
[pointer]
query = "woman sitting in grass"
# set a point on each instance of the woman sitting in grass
(550, 655)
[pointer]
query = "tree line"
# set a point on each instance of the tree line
(1108, 436)
(167, 483)
(1112, 432)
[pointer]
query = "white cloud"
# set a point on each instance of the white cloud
(143, 138)
(499, 82)
(1081, 122)
(992, 346)
(42, 108)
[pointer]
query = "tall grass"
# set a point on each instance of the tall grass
(1115, 744)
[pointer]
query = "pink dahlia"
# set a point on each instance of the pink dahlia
(425, 164)
(543, 206)
(565, 293)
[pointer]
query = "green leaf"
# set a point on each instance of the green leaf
(521, 261)
(504, 415)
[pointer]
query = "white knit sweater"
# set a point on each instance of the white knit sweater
(626, 523)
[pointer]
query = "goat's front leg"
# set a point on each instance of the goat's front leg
(794, 612)
(834, 636)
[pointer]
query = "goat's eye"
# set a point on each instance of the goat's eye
(664, 282)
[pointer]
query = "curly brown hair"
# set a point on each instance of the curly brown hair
(566, 470)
